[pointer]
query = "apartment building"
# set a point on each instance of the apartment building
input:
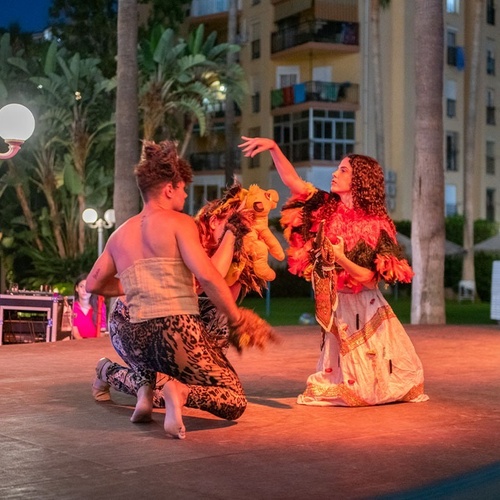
(310, 74)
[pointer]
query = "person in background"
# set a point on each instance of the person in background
(344, 242)
(89, 312)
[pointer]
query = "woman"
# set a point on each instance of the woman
(345, 243)
(89, 312)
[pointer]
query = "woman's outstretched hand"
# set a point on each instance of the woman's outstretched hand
(254, 145)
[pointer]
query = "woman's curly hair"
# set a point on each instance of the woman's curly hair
(368, 193)
(159, 165)
(367, 185)
(222, 209)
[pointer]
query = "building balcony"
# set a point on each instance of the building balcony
(201, 162)
(317, 92)
(201, 8)
(344, 35)
(217, 109)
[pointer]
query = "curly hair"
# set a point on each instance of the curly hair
(368, 194)
(159, 165)
(223, 209)
(367, 185)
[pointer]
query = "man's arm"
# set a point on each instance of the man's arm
(102, 278)
(196, 259)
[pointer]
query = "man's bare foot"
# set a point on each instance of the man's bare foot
(175, 395)
(144, 407)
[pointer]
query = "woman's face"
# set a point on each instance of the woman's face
(342, 177)
(217, 226)
(81, 290)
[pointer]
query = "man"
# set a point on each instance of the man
(151, 259)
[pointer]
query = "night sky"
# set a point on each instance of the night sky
(32, 15)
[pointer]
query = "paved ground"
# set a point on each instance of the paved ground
(56, 442)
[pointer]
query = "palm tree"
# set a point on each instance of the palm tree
(169, 85)
(229, 116)
(126, 200)
(77, 88)
(468, 272)
(428, 229)
(181, 79)
(375, 6)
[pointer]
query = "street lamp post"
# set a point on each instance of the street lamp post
(16, 126)
(91, 218)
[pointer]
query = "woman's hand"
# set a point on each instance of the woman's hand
(255, 145)
(338, 249)
(361, 274)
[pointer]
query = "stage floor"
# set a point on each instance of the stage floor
(57, 442)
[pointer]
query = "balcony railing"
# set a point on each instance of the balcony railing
(315, 31)
(217, 109)
(213, 161)
(315, 92)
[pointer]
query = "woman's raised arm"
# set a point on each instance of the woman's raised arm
(255, 145)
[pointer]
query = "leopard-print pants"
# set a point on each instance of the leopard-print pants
(179, 347)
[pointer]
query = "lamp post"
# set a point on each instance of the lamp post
(91, 218)
(16, 126)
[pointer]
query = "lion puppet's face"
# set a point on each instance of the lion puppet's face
(260, 200)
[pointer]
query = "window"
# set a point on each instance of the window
(450, 91)
(452, 151)
(255, 86)
(451, 108)
(255, 161)
(287, 76)
(199, 194)
(490, 107)
(490, 12)
(450, 200)
(452, 6)
(490, 157)
(490, 204)
(451, 44)
(255, 43)
(256, 102)
(490, 62)
(316, 134)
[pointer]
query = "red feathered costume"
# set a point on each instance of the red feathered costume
(366, 357)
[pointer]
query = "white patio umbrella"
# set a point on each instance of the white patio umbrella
(450, 248)
(490, 245)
